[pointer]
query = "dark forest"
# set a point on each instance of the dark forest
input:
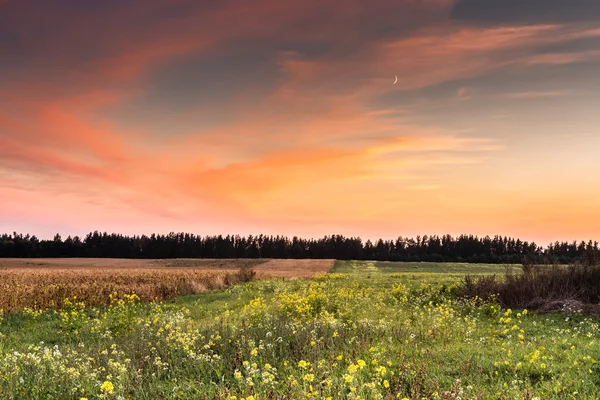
(463, 248)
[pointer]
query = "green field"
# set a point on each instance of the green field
(368, 330)
(383, 274)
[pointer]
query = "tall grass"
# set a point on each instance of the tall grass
(43, 289)
(538, 285)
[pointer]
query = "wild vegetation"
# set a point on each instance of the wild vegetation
(41, 284)
(42, 289)
(463, 248)
(366, 331)
(540, 286)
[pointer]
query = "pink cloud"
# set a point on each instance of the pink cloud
(313, 147)
(538, 94)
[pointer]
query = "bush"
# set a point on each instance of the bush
(537, 285)
(245, 274)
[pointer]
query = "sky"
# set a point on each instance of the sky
(282, 117)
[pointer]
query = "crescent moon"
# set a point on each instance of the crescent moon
(395, 80)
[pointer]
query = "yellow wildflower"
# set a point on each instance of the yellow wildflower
(107, 387)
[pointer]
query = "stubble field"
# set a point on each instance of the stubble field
(365, 331)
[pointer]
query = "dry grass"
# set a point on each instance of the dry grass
(286, 268)
(45, 283)
(538, 286)
(294, 268)
(104, 263)
(47, 288)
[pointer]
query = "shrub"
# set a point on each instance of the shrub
(537, 285)
(246, 274)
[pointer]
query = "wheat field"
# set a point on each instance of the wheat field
(41, 284)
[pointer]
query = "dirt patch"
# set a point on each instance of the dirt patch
(294, 268)
(569, 307)
(208, 263)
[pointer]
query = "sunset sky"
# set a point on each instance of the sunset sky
(281, 117)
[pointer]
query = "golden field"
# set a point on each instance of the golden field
(45, 283)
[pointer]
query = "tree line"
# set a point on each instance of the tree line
(463, 248)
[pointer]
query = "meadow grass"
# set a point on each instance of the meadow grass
(366, 331)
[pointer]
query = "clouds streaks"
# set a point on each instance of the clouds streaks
(281, 116)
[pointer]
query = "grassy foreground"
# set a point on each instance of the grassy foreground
(366, 331)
